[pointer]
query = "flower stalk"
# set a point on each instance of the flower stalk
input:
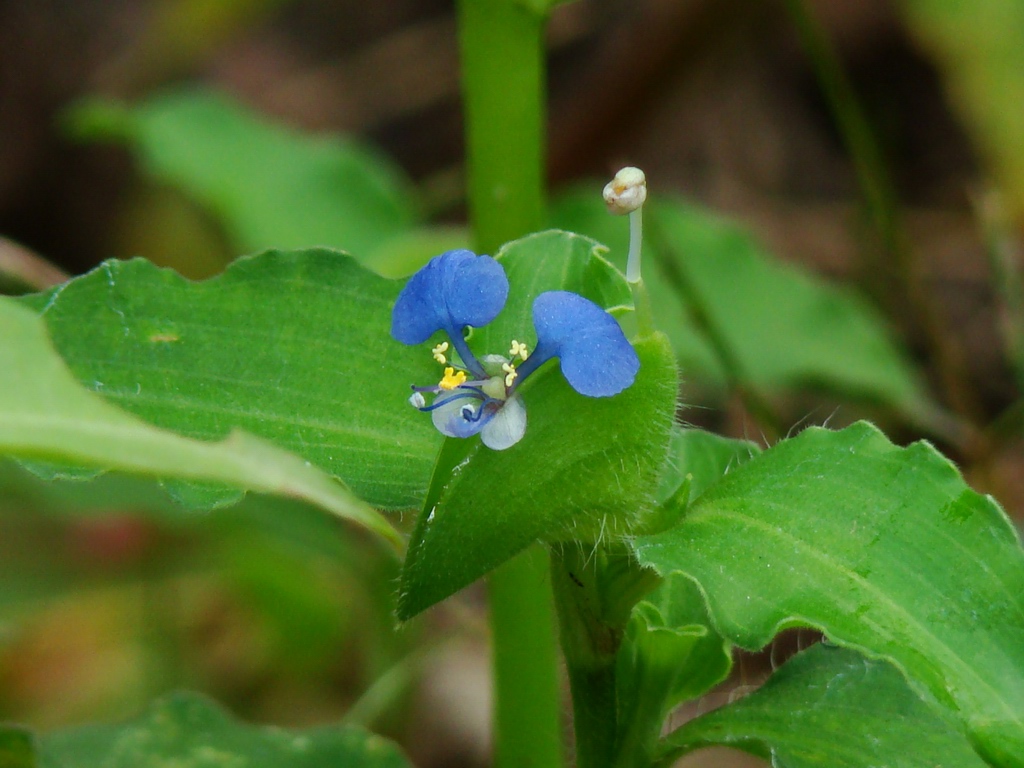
(626, 194)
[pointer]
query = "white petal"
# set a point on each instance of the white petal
(507, 427)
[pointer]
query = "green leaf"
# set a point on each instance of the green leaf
(833, 708)
(586, 467)
(670, 654)
(782, 327)
(290, 346)
(271, 186)
(701, 458)
(884, 549)
(672, 628)
(188, 731)
(45, 413)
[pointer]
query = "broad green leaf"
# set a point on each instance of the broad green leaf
(833, 708)
(979, 48)
(782, 327)
(670, 654)
(187, 730)
(884, 549)
(45, 413)
(586, 466)
(291, 346)
(702, 458)
(271, 186)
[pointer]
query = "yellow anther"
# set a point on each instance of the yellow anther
(518, 349)
(452, 379)
(510, 373)
(439, 351)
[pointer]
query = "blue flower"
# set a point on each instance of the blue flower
(459, 289)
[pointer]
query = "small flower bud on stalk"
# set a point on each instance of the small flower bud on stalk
(627, 193)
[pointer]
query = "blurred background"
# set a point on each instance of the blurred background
(876, 144)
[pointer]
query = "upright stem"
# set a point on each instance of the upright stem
(502, 48)
(590, 644)
(595, 591)
(503, 87)
(527, 711)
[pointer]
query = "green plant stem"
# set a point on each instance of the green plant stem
(590, 646)
(595, 591)
(527, 713)
(503, 86)
(502, 50)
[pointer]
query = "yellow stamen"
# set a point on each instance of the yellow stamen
(452, 379)
(510, 373)
(518, 349)
(439, 351)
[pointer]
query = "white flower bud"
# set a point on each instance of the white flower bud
(626, 192)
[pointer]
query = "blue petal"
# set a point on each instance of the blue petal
(596, 358)
(455, 289)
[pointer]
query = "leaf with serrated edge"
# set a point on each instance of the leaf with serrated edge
(832, 708)
(46, 414)
(186, 729)
(291, 346)
(884, 549)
